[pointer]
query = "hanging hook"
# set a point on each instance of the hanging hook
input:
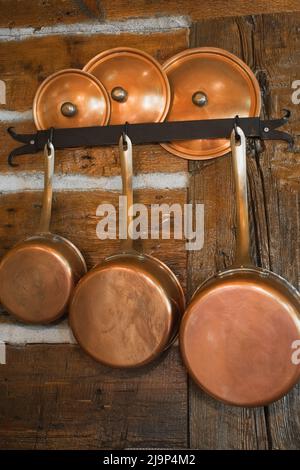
(50, 140)
(235, 126)
(124, 135)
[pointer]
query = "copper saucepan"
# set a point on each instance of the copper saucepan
(126, 310)
(237, 334)
(37, 276)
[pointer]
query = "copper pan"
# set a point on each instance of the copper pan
(71, 98)
(37, 276)
(126, 310)
(138, 87)
(237, 335)
(209, 83)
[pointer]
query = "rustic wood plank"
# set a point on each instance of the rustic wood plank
(74, 216)
(196, 10)
(139, 409)
(212, 184)
(56, 397)
(25, 64)
(279, 170)
(225, 427)
(101, 161)
(41, 13)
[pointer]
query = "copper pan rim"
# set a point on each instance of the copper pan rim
(160, 263)
(138, 52)
(43, 85)
(231, 403)
(208, 156)
(263, 273)
(64, 240)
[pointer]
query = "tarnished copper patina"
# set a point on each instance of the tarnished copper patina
(71, 98)
(138, 87)
(126, 310)
(238, 334)
(38, 275)
(209, 83)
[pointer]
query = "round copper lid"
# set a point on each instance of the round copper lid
(209, 83)
(138, 87)
(71, 98)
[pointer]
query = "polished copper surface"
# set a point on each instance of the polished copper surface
(38, 275)
(122, 313)
(209, 83)
(236, 338)
(136, 83)
(71, 98)
(127, 310)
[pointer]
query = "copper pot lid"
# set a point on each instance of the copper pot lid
(71, 98)
(209, 83)
(136, 83)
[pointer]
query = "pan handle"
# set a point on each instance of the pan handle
(125, 149)
(49, 157)
(239, 160)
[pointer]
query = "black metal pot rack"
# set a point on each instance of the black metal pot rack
(162, 132)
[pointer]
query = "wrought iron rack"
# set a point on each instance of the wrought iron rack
(253, 127)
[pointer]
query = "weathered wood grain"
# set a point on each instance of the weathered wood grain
(56, 397)
(41, 13)
(74, 216)
(25, 64)
(213, 425)
(270, 45)
(101, 161)
(279, 173)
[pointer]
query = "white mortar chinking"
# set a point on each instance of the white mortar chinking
(136, 25)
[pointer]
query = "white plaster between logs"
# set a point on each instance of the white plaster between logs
(17, 182)
(136, 25)
(17, 333)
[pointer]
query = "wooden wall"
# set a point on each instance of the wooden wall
(53, 395)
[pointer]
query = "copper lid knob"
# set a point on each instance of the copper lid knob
(119, 94)
(199, 98)
(68, 109)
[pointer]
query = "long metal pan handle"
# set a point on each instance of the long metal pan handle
(49, 157)
(125, 149)
(239, 160)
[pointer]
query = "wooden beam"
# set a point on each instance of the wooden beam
(56, 397)
(270, 45)
(39, 14)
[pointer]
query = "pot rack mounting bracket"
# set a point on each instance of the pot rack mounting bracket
(147, 133)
